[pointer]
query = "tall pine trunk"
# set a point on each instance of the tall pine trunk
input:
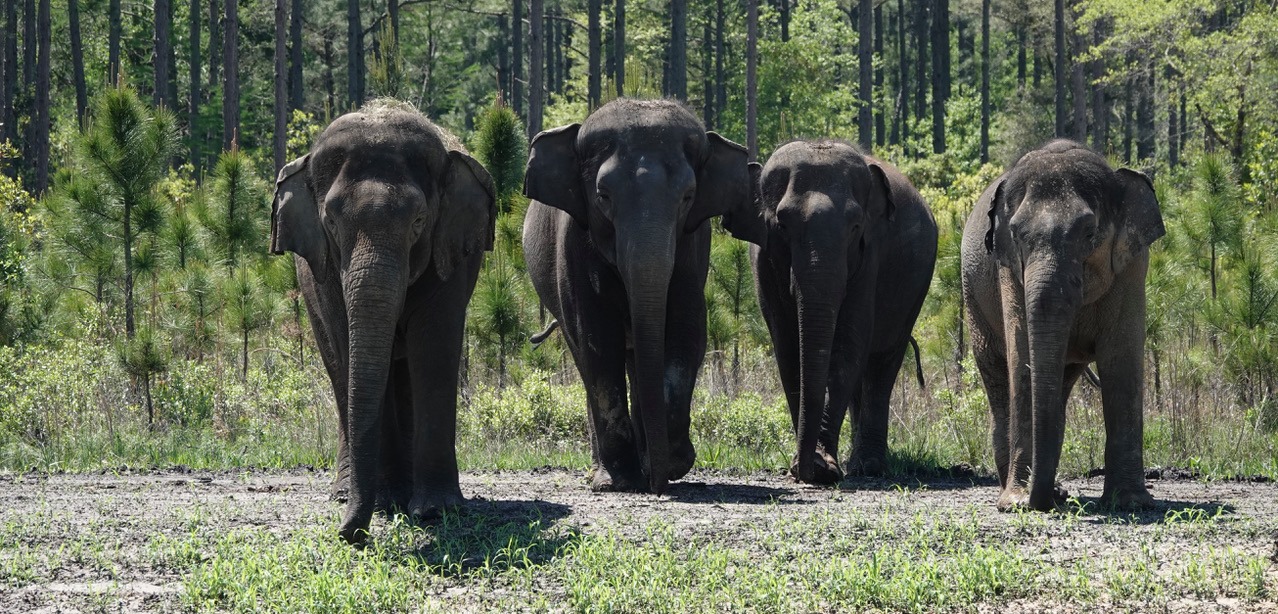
(231, 72)
(296, 87)
(880, 129)
(1100, 99)
(940, 72)
(865, 61)
(594, 77)
(903, 83)
(920, 59)
(985, 80)
(1173, 134)
(354, 56)
(6, 68)
(160, 59)
(1060, 60)
(193, 102)
(114, 31)
(720, 72)
(1078, 79)
(752, 80)
(77, 62)
(1145, 114)
(517, 62)
(281, 85)
(619, 45)
(707, 70)
(536, 66)
(42, 100)
(503, 57)
(678, 79)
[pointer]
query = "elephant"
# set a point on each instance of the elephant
(848, 257)
(1054, 257)
(388, 219)
(618, 248)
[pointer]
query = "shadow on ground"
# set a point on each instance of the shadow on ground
(493, 536)
(701, 492)
(1163, 511)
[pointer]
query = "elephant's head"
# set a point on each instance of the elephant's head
(1067, 226)
(383, 198)
(637, 176)
(826, 206)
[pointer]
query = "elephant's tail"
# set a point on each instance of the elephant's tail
(1092, 377)
(918, 362)
(538, 338)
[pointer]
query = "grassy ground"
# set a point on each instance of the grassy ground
(540, 541)
(251, 529)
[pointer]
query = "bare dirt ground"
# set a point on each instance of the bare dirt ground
(86, 542)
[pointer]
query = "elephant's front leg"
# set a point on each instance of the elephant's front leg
(685, 351)
(597, 342)
(1020, 404)
(1120, 365)
(848, 365)
(434, 322)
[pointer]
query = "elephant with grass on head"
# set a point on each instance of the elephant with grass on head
(388, 219)
(1054, 258)
(846, 261)
(618, 247)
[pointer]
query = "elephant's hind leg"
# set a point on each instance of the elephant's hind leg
(870, 445)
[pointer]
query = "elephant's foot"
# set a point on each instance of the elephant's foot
(431, 504)
(602, 480)
(355, 522)
(1017, 498)
(1127, 498)
(392, 498)
(341, 488)
(682, 458)
(825, 470)
(867, 465)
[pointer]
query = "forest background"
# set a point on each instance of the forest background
(142, 322)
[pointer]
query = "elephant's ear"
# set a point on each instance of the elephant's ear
(723, 185)
(998, 239)
(881, 192)
(553, 174)
(1140, 222)
(295, 220)
(750, 223)
(467, 214)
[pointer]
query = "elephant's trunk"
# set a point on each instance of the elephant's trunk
(646, 268)
(374, 289)
(1051, 300)
(819, 295)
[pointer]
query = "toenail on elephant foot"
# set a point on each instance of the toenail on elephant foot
(682, 459)
(601, 480)
(1128, 498)
(431, 506)
(825, 470)
(866, 466)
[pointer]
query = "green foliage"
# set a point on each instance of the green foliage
(235, 212)
(500, 145)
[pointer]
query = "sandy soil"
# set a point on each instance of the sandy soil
(103, 524)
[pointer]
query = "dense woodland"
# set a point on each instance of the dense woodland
(141, 140)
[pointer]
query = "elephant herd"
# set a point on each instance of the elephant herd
(388, 218)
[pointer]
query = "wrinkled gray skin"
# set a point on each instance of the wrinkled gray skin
(1054, 261)
(618, 249)
(841, 278)
(388, 224)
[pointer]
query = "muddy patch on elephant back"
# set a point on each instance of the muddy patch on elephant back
(173, 541)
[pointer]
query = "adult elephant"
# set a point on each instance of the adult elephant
(1054, 260)
(388, 219)
(618, 249)
(848, 258)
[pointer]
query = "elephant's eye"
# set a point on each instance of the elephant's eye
(418, 223)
